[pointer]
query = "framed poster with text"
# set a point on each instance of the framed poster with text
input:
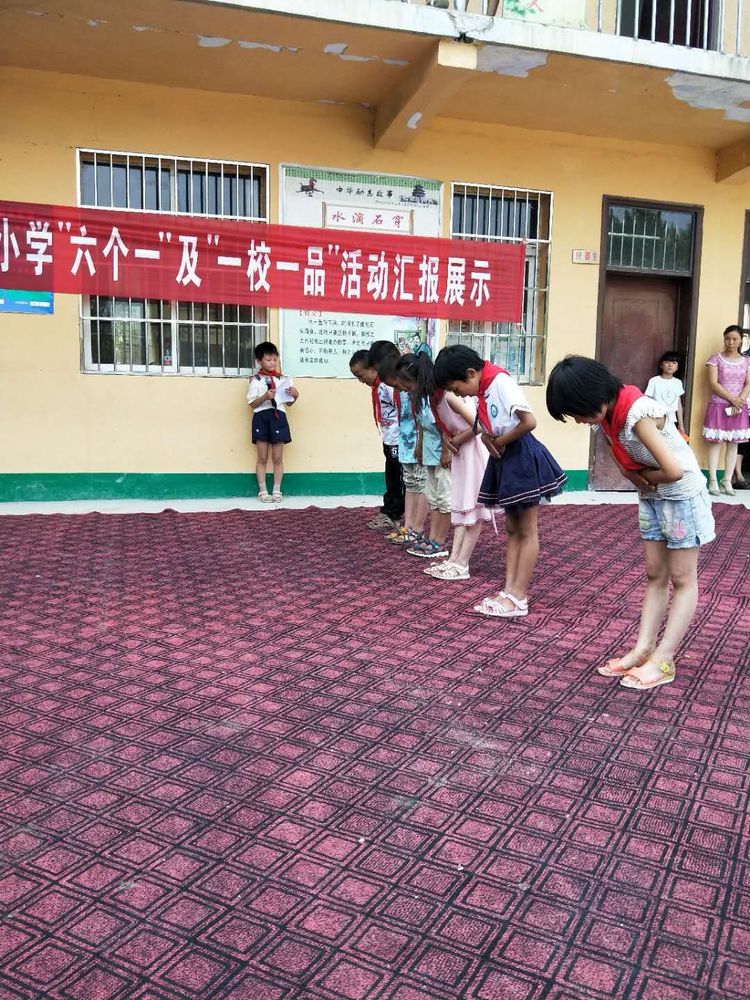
(319, 344)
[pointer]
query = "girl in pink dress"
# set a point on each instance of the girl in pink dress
(456, 421)
(727, 419)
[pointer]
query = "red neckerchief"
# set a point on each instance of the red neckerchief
(434, 400)
(397, 401)
(612, 427)
(377, 410)
(270, 378)
(487, 377)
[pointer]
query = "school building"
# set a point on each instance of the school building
(611, 138)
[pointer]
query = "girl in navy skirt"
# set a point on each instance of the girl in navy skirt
(520, 471)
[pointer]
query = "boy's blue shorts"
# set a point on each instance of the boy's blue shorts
(271, 426)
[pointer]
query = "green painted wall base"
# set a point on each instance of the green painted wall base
(53, 486)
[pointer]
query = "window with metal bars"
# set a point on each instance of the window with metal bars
(158, 336)
(650, 240)
(508, 215)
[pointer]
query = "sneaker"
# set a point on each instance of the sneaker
(428, 548)
(382, 523)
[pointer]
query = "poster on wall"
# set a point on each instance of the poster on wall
(319, 344)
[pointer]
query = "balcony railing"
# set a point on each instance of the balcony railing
(713, 25)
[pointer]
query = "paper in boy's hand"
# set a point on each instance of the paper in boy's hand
(282, 391)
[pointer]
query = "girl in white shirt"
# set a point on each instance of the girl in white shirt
(520, 472)
(667, 389)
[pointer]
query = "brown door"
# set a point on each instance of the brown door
(639, 324)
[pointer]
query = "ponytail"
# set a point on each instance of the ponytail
(425, 378)
(418, 369)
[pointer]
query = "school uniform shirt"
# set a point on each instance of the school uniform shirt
(259, 386)
(666, 391)
(388, 423)
(504, 398)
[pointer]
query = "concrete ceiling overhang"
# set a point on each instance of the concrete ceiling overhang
(401, 77)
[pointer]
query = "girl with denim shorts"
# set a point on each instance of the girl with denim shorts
(674, 509)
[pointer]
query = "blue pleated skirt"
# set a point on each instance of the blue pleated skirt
(524, 475)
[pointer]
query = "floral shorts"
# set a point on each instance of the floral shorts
(682, 524)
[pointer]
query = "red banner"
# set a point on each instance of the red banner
(91, 251)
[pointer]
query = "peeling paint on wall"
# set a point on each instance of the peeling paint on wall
(507, 61)
(207, 42)
(415, 119)
(261, 45)
(145, 27)
(730, 96)
(339, 49)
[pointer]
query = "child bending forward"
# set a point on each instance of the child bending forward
(674, 510)
(520, 471)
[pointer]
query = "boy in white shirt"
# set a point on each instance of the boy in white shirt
(268, 394)
(668, 390)
(385, 413)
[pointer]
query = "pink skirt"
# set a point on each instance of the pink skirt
(717, 426)
(467, 470)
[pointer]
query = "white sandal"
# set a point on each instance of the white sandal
(491, 608)
(437, 568)
(455, 572)
(277, 496)
(265, 497)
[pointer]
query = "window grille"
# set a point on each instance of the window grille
(650, 239)
(508, 215)
(158, 336)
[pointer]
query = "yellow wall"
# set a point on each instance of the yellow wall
(53, 418)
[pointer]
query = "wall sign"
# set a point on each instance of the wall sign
(585, 256)
(319, 344)
(13, 300)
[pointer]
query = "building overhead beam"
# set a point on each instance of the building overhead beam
(733, 162)
(404, 112)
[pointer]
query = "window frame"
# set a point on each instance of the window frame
(173, 369)
(536, 340)
(743, 317)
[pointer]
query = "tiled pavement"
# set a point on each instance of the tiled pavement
(258, 757)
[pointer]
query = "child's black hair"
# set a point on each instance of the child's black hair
(452, 364)
(380, 350)
(266, 347)
(669, 356)
(419, 369)
(386, 367)
(580, 387)
(360, 359)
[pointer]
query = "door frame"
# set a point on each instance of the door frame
(745, 272)
(694, 279)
